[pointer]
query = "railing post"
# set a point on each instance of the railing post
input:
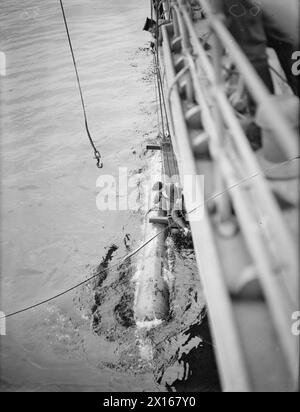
(223, 203)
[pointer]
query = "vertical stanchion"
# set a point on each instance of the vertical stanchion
(223, 203)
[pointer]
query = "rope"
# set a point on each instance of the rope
(161, 132)
(156, 102)
(160, 104)
(162, 101)
(159, 78)
(96, 152)
(100, 165)
(243, 181)
(135, 252)
(120, 262)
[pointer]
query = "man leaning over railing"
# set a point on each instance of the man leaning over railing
(257, 25)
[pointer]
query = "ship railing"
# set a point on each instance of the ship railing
(270, 245)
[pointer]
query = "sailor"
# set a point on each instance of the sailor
(159, 8)
(269, 23)
(170, 199)
(151, 27)
(150, 24)
(179, 215)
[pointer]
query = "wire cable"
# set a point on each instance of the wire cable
(136, 251)
(120, 262)
(96, 151)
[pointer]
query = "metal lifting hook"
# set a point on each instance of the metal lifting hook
(96, 152)
(99, 160)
